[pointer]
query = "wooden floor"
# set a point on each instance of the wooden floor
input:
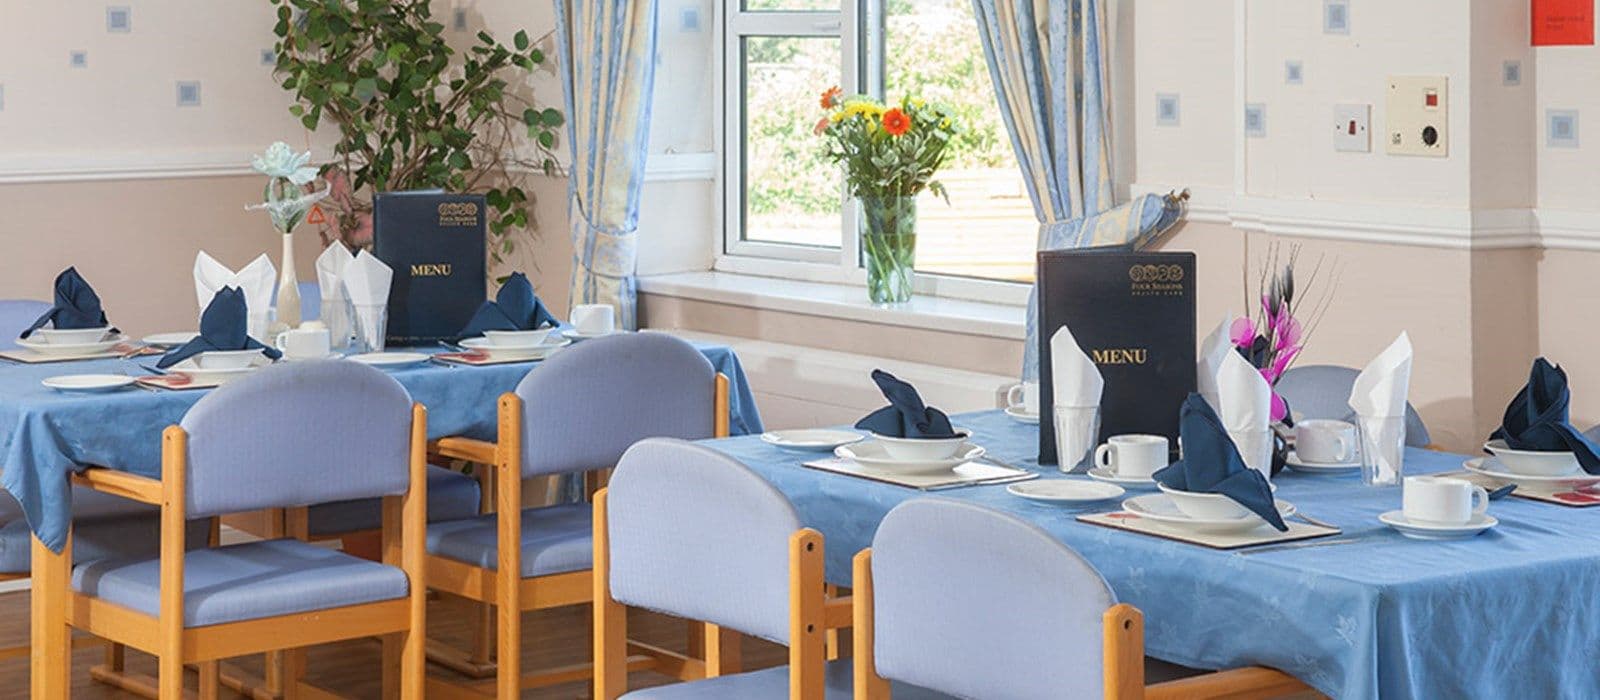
(550, 638)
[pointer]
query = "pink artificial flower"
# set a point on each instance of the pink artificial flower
(1242, 332)
(1280, 408)
(1286, 332)
(1281, 363)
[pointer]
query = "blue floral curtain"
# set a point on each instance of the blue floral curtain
(608, 52)
(1047, 62)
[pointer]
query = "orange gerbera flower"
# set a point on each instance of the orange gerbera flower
(896, 122)
(831, 96)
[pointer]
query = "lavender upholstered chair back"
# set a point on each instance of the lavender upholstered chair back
(1323, 391)
(16, 315)
(591, 401)
(296, 435)
(966, 598)
(694, 533)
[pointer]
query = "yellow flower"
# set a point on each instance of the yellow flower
(944, 123)
(836, 117)
(917, 102)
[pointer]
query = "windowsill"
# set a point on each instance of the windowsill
(840, 301)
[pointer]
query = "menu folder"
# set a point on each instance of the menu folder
(1134, 316)
(435, 242)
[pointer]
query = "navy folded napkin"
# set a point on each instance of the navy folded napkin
(76, 305)
(222, 327)
(515, 308)
(1211, 464)
(1537, 418)
(905, 416)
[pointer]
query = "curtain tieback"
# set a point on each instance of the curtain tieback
(606, 251)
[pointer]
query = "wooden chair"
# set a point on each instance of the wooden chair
(577, 413)
(286, 437)
(688, 531)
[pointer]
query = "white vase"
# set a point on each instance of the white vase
(288, 287)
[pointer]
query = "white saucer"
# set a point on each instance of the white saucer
(1065, 490)
(1492, 468)
(575, 334)
(169, 340)
(1132, 482)
(1022, 416)
(533, 351)
(810, 440)
(330, 356)
(71, 348)
(1293, 461)
(88, 383)
(390, 360)
(1435, 531)
(1159, 508)
(870, 453)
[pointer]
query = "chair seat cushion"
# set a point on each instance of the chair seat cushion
(103, 525)
(245, 581)
(451, 496)
(555, 540)
(773, 683)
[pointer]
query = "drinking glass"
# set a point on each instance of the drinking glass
(1077, 434)
(1383, 449)
(371, 323)
(336, 316)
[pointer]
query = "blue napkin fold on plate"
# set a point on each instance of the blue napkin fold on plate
(222, 327)
(515, 308)
(905, 416)
(1211, 464)
(76, 305)
(1536, 419)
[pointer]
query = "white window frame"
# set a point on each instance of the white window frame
(858, 25)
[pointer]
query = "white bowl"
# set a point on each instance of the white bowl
(1205, 506)
(922, 449)
(226, 359)
(1533, 462)
(72, 336)
(517, 339)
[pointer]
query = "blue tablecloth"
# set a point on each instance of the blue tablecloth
(1511, 613)
(45, 434)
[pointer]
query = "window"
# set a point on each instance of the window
(784, 207)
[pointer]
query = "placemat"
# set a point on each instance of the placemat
(1123, 520)
(479, 359)
(1586, 498)
(176, 382)
(30, 357)
(969, 474)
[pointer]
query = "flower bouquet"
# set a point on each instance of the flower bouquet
(1273, 338)
(889, 154)
(289, 199)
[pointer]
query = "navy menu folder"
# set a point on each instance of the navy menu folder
(435, 242)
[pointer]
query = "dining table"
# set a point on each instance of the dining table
(1368, 613)
(46, 435)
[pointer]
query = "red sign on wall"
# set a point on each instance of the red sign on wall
(1563, 22)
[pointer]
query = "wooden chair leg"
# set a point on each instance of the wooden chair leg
(51, 676)
(390, 660)
(831, 591)
(723, 653)
(210, 681)
(116, 657)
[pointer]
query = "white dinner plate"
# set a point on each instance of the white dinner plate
(88, 383)
(390, 360)
(199, 375)
(870, 453)
(169, 340)
(1435, 531)
(1293, 461)
(1065, 490)
(810, 440)
(1021, 416)
(1492, 468)
(71, 348)
(1159, 508)
(1130, 482)
(534, 351)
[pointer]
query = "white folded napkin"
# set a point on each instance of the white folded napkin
(1380, 390)
(366, 285)
(1243, 396)
(1075, 380)
(256, 280)
(1213, 350)
(330, 269)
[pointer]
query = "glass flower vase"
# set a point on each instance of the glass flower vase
(889, 247)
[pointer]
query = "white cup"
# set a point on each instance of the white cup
(594, 319)
(1024, 396)
(1442, 500)
(1132, 455)
(1325, 441)
(303, 343)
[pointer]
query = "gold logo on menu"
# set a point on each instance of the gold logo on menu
(430, 270)
(1150, 280)
(1120, 356)
(458, 214)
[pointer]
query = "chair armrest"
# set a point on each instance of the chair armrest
(479, 451)
(836, 613)
(139, 488)
(1238, 683)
